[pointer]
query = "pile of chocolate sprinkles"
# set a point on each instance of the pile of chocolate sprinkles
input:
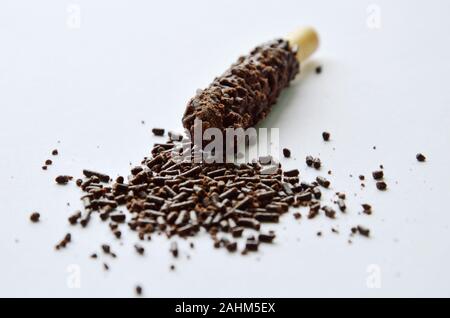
(165, 195)
(180, 198)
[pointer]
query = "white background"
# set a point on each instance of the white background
(90, 87)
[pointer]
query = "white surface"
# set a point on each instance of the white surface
(89, 88)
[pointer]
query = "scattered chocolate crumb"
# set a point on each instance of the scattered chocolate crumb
(174, 249)
(106, 266)
(378, 175)
(101, 176)
(341, 205)
(381, 185)
(48, 162)
(106, 249)
(297, 215)
(361, 177)
(44, 167)
(158, 131)
(420, 157)
(55, 152)
(286, 153)
(319, 233)
(237, 231)
(381, 167)
(329, 212)
(138, 290)
(73, 219)
(313, 212)
(120, 180)
(139, 249)
(317, 193)
(251, 245)
(363, 231)
(367, 208)
(34, 217)
(266, 238)
(318, 69)
(67, 239)
(323, 182)
(231, 247)
(291, 173)
(63, 179)
(94, 256)
(326, 136)
(118, 216)
(172, 267)
(341, 195)
(317, 163)
(309, 161)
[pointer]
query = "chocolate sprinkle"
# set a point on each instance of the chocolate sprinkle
(63, 179)
(67, 239)
(420, 157)
(158, 131)
(367, 208)
(286, 153)
(363, 231)
(34, 217)
(309, 161)
(323, 182)
(378, 175)
(381, 185)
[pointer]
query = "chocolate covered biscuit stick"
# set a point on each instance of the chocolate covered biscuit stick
(245, 93)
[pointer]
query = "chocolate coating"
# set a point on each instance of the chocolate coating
(245, 93)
